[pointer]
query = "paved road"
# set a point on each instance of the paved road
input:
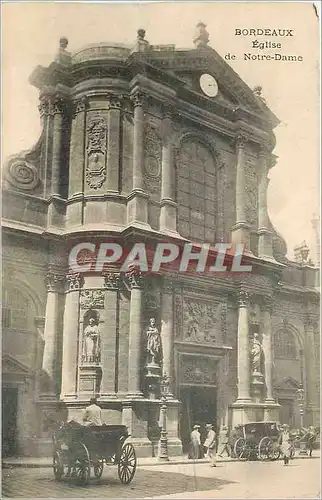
(228, 480)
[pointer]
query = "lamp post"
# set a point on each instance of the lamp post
(163, 443)
(300, 398)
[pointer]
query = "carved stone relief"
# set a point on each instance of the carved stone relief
(251, 192)
(22, 175)
(92, 298)
(203, 322)
(96, 152)
(198, 370)
(152, 163)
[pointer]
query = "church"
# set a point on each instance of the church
(148, 144)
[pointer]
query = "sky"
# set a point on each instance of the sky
(30, 37)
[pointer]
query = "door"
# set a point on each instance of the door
(198, 407)
(286, 411)
(9, 421)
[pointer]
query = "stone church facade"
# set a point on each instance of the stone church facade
(149, 144)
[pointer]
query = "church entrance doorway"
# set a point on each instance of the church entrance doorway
(199, 406)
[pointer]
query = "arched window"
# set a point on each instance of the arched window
(284, 344)
(15, 309)
(196, 192)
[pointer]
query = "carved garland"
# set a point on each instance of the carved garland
(152, 164)
(251, 193)
(96, 152)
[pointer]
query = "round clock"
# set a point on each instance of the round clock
(208, 85)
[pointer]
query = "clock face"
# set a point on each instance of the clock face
(208, 85)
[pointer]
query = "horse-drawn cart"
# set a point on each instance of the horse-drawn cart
(77, 449)
(259, 441)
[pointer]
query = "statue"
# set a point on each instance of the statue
(153, 343)
(92, 341)
(63, 57)
(256, 354)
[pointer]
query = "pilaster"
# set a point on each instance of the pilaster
(167, 326)
(267, 347)
(265, 248)
(241, 229)
(243, 364)
(113, 158)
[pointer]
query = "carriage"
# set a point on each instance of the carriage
(259, 440)
(77, 449)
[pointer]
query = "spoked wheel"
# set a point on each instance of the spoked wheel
(58, 467)
(127, 464)
(265, 448)
(83, 469)
(98, 468)
(240, 448)
(274, 452)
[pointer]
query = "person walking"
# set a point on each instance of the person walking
(223, 445)
(195, 443)
(210, 445)
(284, 442)
(310, 439)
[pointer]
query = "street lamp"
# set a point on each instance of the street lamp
(300, 398)
(163, 443)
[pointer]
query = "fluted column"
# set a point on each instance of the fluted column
(310, 365)
(268, 348)
(134, 362)
(113, 159)
(109, 354)
(77, 148)
(243, 363)
(240, 231)
(54, 283)
(71, 341)
(57, 146)
(265, 249)
(167, 325)
(168, 215)
(46, 111)
(137, 201)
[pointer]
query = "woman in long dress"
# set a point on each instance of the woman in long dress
(285, 444)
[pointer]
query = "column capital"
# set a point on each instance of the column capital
(240, 141)
(112, 281)
(168, 286)
(168, 111)
(267, 303)
(138, 98)
(59, 106)
(114, 101)
(310, 322)
(74, 281)
(80, 106)
(54, 282)
(243, 298)
(134, 279)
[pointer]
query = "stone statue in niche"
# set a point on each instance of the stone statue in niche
(92, 339)
(153, 345)
(256, 354)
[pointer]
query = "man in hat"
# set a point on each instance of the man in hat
(210, 444)
(92, 414)
(195, 443)
(223, 445)
(285, 444)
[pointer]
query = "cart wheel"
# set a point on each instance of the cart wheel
(98, 468)
(239, 448)
(265, 448)
(58, 466)
(83, 474)
(127, 464)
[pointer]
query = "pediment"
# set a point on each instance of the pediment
(187, 64)
(11, 366)
(288, 384)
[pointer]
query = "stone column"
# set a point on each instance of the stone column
(265, 248)
(168, 212)
(57, 146)
(135, 333)
(243, 362)
(167, 325)
(268, 348)
(109, 349)
(71, 341)
(137, 201)
(114, 107)
(46, 109)
(240, 231)
(50, 331)
(310, 364)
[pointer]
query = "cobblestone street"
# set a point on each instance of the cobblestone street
(228, 480)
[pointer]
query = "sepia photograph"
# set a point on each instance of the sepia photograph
(160, 250)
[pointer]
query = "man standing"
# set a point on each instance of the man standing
(223, 445)
(92, 414)
(195, 443)
(210, 445)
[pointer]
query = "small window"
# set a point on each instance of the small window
(284, 345)
(15, 310)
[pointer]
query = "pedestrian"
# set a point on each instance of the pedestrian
(195, 443)
(284, 442)
(210, 445)
(92, 414)
(310, 439)
(223, 445)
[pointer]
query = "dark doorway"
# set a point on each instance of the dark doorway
(286, 411)
(9, 421)
(198, 407)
